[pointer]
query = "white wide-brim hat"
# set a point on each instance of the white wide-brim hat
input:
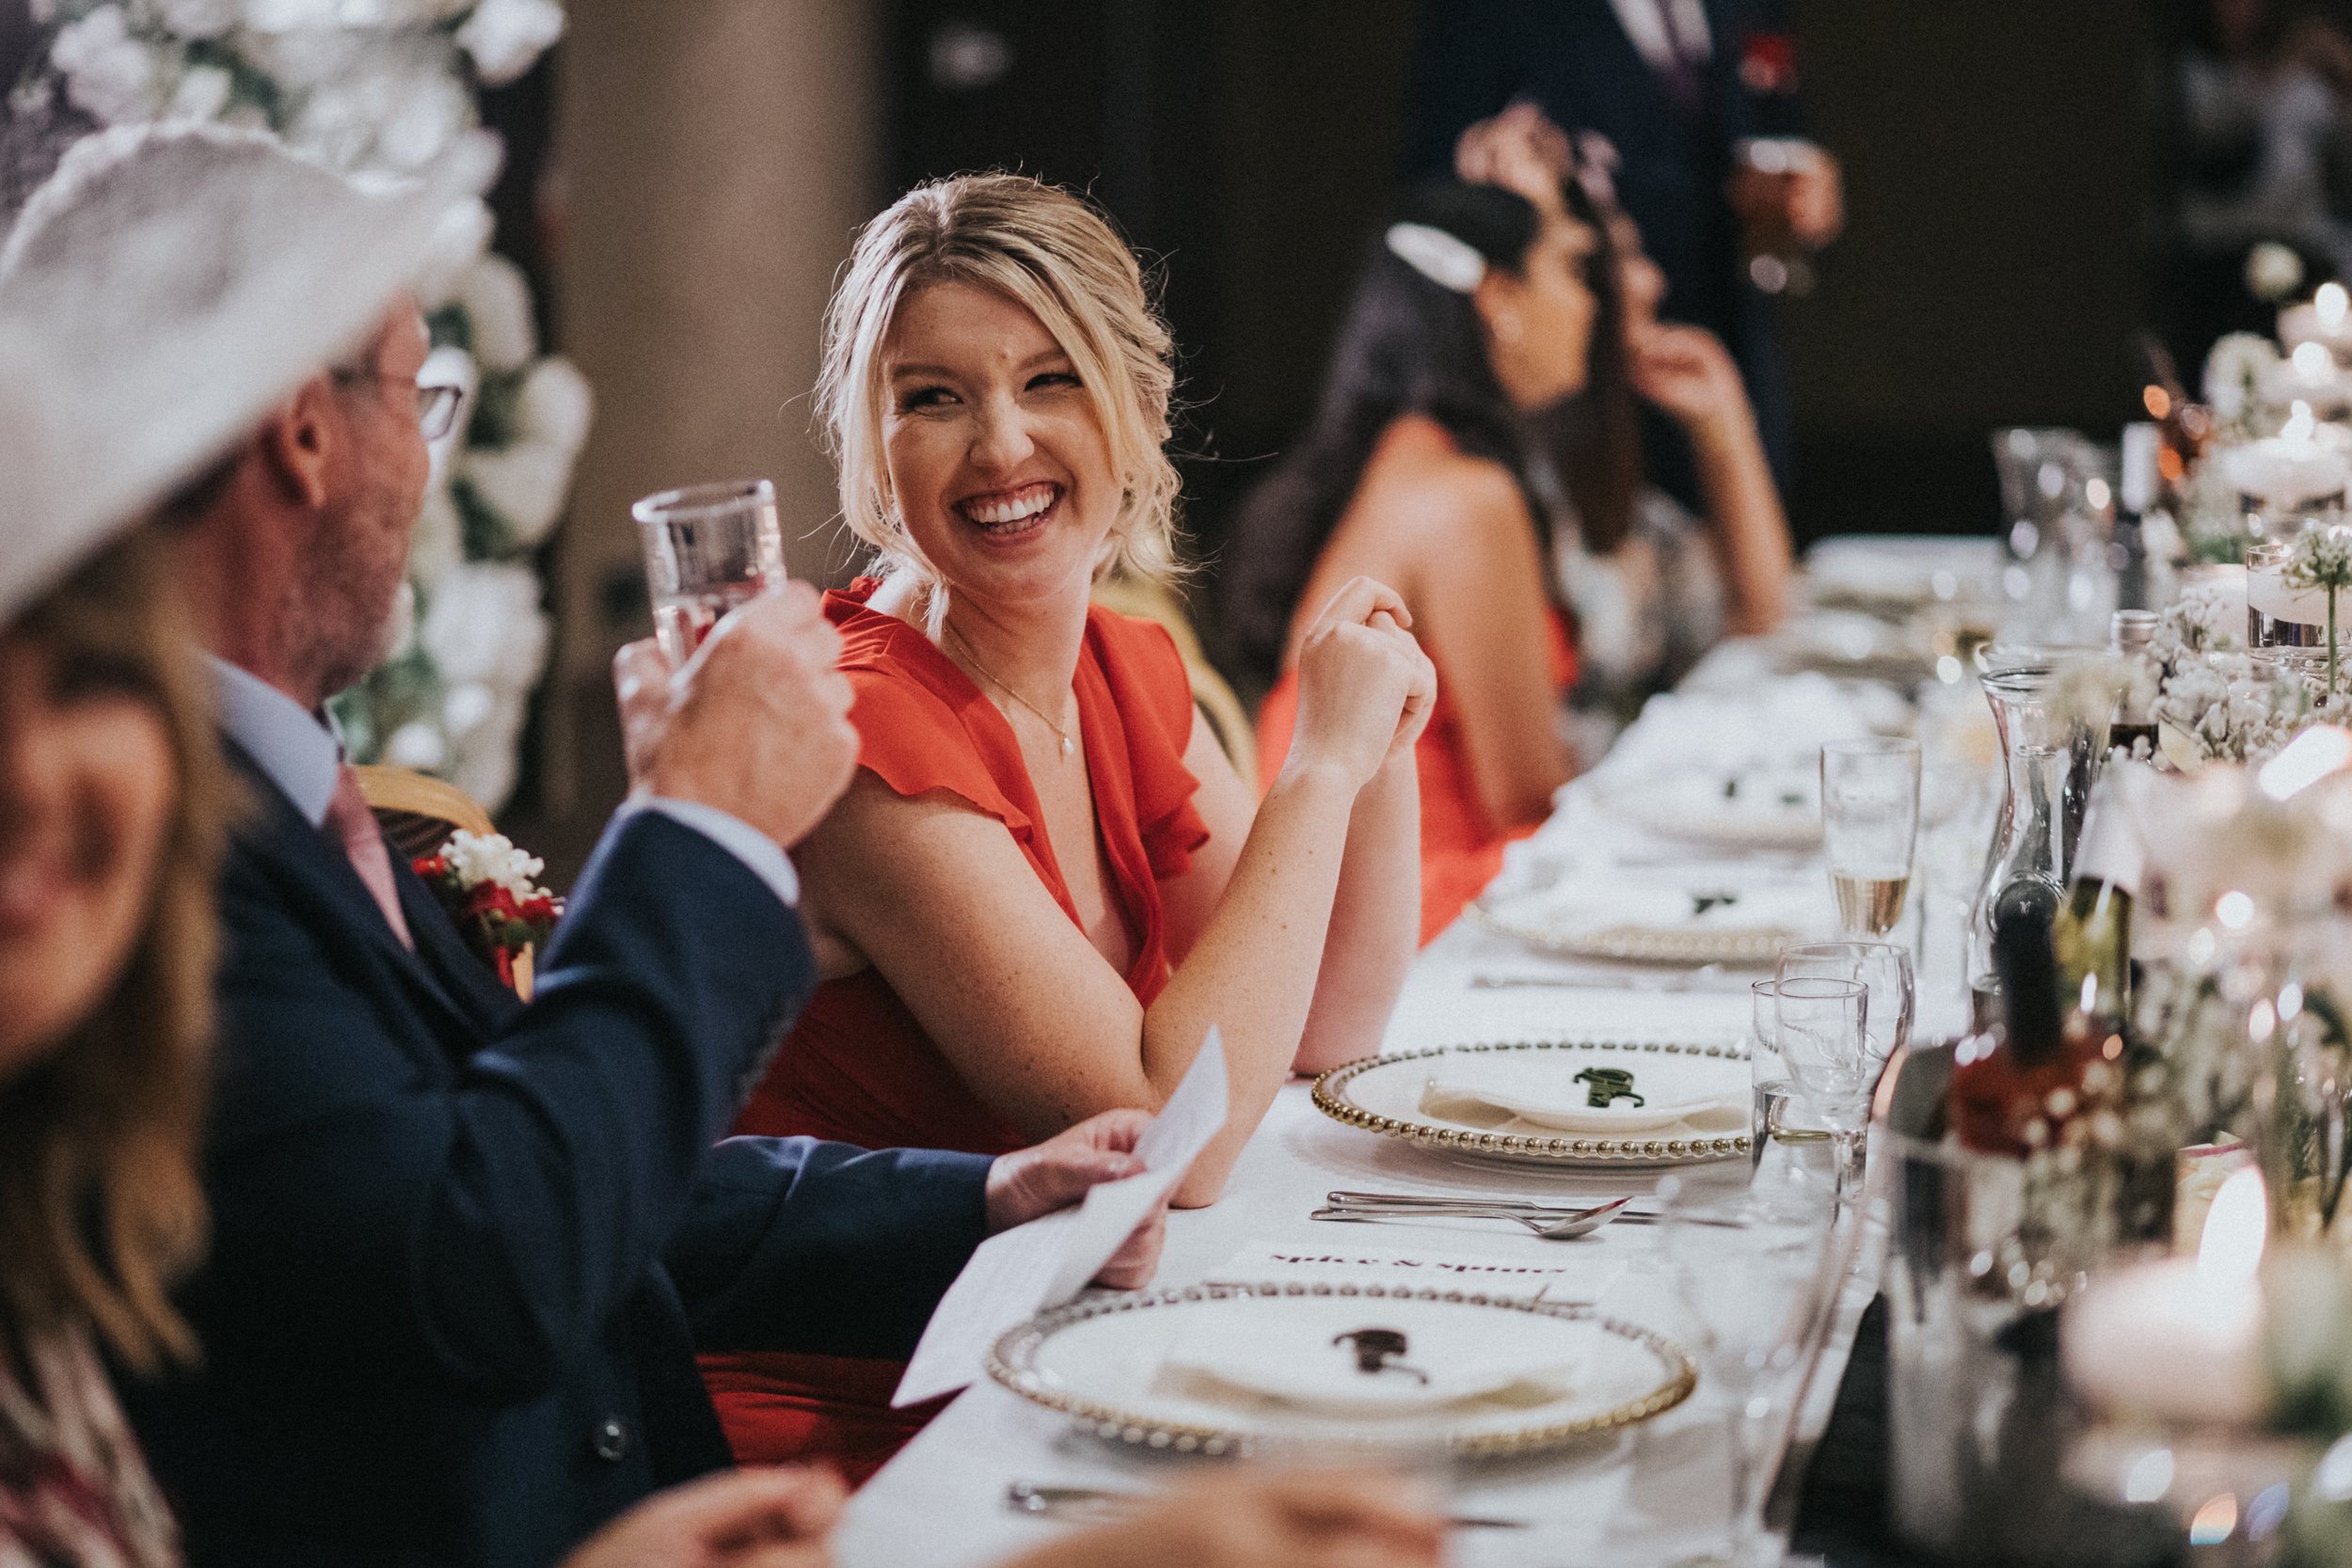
(163, 292)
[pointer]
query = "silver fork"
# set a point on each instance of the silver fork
(1552, 1225)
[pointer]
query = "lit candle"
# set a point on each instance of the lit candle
(2326, 319)
(2304, 462)
(2179, 1341)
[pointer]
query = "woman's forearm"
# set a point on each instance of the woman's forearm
(1376, 919)
(1750, 529)
(1247, 974)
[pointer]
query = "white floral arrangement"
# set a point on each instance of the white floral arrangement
(2209, 689)
(2235, 370)
(382, 87)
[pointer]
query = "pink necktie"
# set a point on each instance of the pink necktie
(363, 841)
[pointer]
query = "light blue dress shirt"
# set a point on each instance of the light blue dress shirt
(301, 756)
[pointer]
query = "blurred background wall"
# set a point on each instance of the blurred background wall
(712, 156)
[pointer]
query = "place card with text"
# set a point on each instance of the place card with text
(1567, 1279)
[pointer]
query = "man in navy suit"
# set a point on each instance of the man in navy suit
(1698, 98)
(464, 1247)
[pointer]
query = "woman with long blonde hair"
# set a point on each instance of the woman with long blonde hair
(112, 810)
(1047, 884)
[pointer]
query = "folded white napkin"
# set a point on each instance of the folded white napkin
(1718, 1113)
(1280, 1351)
(1591, 906)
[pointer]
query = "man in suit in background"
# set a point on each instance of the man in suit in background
(1699, 100)
(464, 1247)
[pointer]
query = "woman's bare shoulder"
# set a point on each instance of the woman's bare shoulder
(1443, 497)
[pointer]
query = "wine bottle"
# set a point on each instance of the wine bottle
(2132, 726)
(2092, 932)
(2015, 1084)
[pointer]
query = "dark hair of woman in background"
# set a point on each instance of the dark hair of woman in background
(1406, 346)
(1456, 354)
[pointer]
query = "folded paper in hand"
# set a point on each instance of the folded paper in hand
(1017, 1274)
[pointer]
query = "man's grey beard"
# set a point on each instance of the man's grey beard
(333, 657)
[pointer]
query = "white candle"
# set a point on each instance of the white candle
(2325, 318)
(2181, 1340)
(2304, 462)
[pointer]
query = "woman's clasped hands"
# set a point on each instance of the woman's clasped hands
(1365, 688)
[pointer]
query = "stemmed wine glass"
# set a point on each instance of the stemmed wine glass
(1882, 966)
(1752, 1323)
(1824, 1035)
(1870, 828)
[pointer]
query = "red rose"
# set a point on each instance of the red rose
(1767, 63)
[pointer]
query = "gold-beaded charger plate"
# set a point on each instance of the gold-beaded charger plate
(1707, 926)
(1387, 1095)
(1147, 1369)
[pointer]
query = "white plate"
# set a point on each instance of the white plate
(1900, 570)
(1105, 1361)
(1769, 809)
(1590, 920)
(1384, 1094)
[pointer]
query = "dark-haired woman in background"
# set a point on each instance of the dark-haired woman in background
(1650, 584)
(1474, 314)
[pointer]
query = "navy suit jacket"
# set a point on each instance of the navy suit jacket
(464, 1249)
(1573, 60)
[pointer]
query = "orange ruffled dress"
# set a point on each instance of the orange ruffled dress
(1460, 850)
(857, 1066)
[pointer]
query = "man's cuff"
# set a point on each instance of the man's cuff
(763, 855)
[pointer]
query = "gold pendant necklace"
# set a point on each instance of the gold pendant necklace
(1069, 746)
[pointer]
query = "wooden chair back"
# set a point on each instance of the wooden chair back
(418, 812)
(1226, 719)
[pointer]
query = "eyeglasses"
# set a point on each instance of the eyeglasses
(437, 410)
(437, 405)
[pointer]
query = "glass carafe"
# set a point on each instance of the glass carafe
(2049, 757)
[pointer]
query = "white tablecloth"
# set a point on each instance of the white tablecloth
(1648, 1495)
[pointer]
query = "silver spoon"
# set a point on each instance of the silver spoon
(1553, 1226)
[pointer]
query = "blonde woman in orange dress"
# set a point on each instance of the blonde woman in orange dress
(1047, 884)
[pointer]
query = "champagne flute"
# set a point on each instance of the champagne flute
(708, 550)
(1869, 826)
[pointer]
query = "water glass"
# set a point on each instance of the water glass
(1870, 825)
(708, 550)
(1823, 1030)
(1883, 967)
(1753, 1300)
(2285, 625)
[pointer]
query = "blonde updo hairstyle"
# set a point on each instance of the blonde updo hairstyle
(1054, 254)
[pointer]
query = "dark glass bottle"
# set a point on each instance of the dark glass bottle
(2092, 933)
(2018, 1082)
(2131, 727)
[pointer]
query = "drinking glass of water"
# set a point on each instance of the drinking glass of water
(1869, 823)
(709, 549)
(1880, 966)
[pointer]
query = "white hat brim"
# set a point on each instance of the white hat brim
(143, 336)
